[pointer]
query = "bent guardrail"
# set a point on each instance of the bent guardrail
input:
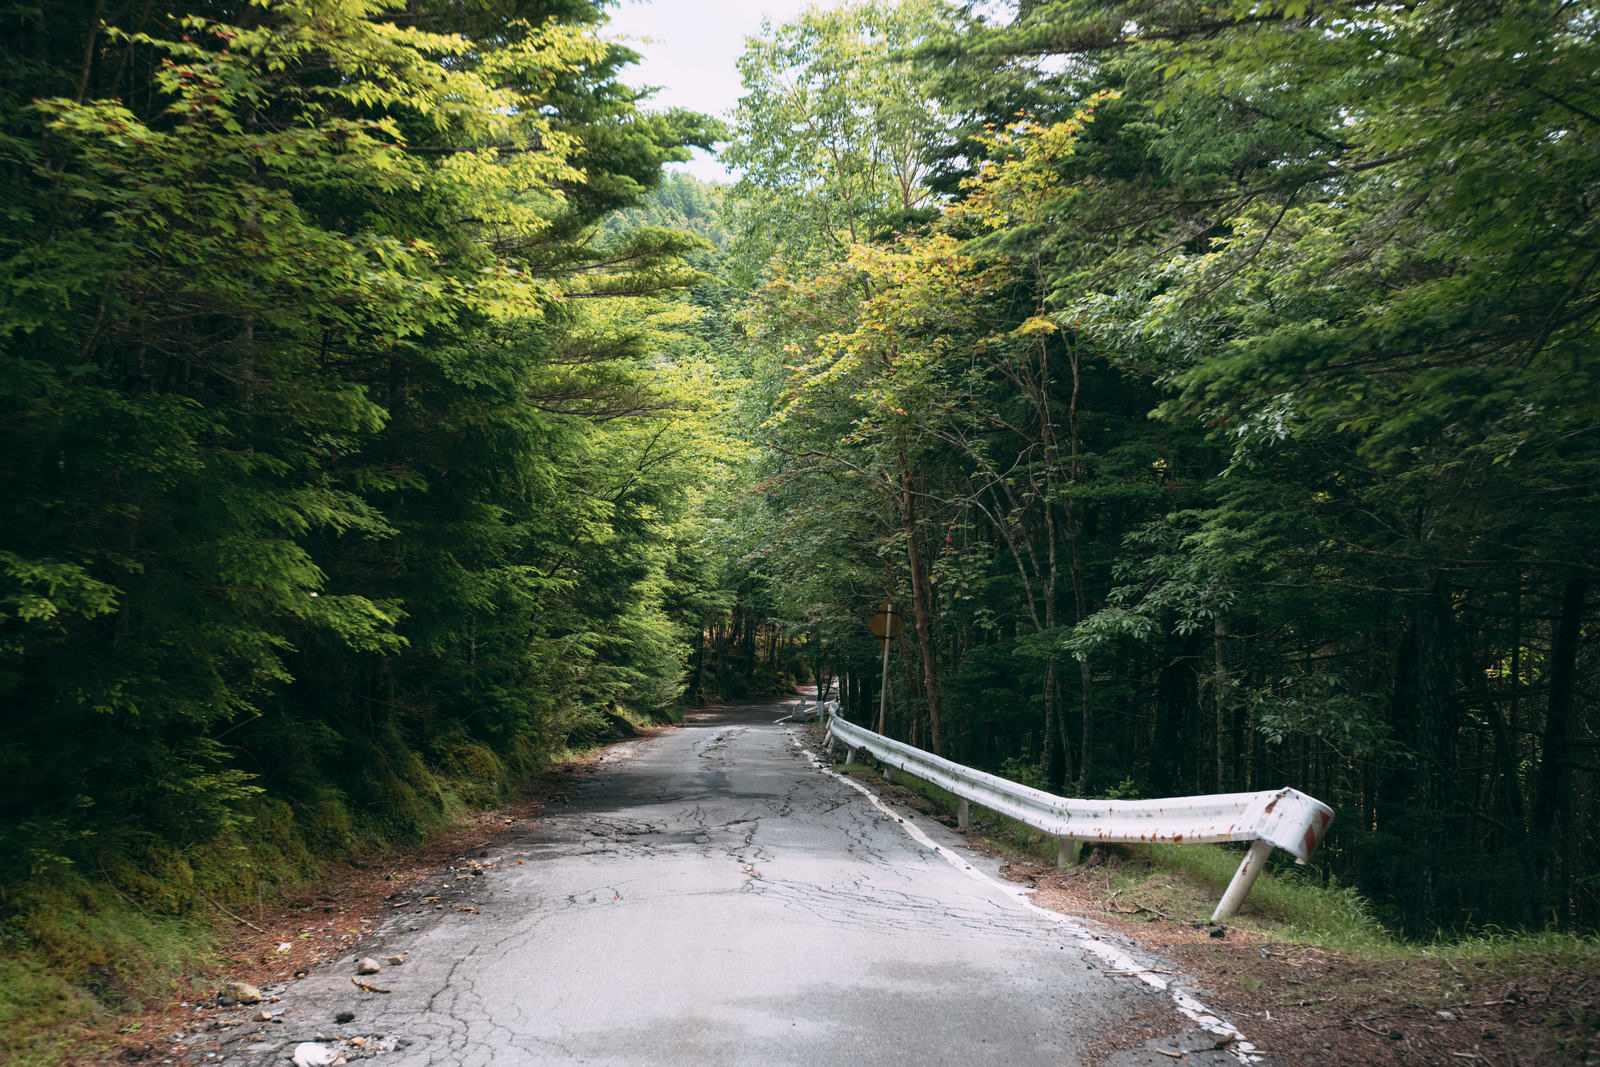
(1283, 818)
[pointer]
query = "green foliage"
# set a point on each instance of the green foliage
(75, 954)
(1023, 773)
(832, 131)
(375, 422)
(1295, 903)
(347, 468)
(1351, 551)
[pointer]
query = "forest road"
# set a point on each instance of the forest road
(711, 895)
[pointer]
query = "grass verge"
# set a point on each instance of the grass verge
(92, 960)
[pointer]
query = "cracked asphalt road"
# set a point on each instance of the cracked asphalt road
(712, 896)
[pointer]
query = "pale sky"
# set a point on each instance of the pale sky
(692, 50)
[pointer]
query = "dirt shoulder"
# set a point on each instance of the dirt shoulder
(1303, 1004)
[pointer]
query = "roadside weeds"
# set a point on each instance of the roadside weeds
(289, 939)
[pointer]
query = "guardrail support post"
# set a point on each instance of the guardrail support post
(888, 773)
(964, 814)
(1254, 861)
(1066, 851)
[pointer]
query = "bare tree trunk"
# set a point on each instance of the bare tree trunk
(1177, 690)
(1080, 598)
(1417, 800)
(1220, 688)
(1552, 799)
(922, 611)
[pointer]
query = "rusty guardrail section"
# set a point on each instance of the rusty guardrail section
(1283, 818)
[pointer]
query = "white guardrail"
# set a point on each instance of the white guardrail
(1283, 818)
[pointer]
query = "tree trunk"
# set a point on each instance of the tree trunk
(1436, 712)
(1055, 764)
(1552, 792)
(698, 658)
(1080, 598)
(1177, 690)
(1219, 635)
(1417, 802)
(1550, 787)
(922, 610)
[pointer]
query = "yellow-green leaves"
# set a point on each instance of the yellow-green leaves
(325, 414)
(1018, 183)
(834, 129)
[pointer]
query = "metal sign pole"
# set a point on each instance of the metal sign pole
(886, 628)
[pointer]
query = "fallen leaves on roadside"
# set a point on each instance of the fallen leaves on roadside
(369, 987)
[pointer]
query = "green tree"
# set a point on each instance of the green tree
(833, 131)
(1387, 329)
(313, 411)
(1352, 549)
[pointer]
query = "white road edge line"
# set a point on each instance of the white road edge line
(1186, 1004)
